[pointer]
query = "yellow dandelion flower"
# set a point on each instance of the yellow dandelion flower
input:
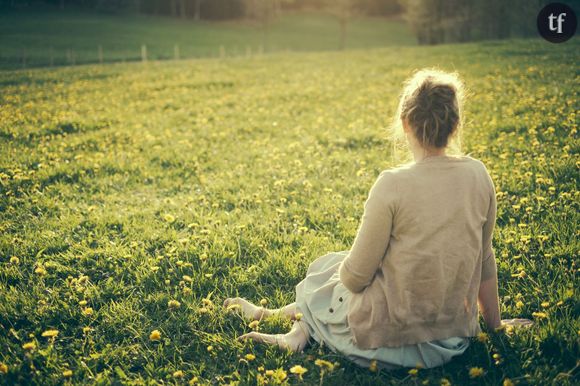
(508, 382)
(445, 382)
(519, 304)
(194, 381)
(168, 218)
(187, 278)
(269, 372)
(539, 315)
(413, 372)
(280, 375)
(560, 302)
(373, 366)
(520, 274)
(475, 372)
(88, 311)
(173, 304)
(29, 346)
(209, 348)
(155, 335)
(67, 373)
(250, 357)
(203, 310)
(298, 316)
(298, 370)
(260, 368)
(254, 324)
(263, 302)
(324, 364)
(3, 368)
(86, 330)
(50, 333)
(40, 270)
(14, 260)
(482, 337)
(233, 307)
(178, 374)
(83, 303)
(545, 304)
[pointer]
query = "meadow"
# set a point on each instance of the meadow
(134, 198)
(54, 38)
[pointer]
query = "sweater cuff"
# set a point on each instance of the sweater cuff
(347, 278)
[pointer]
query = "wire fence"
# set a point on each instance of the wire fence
(51, 57)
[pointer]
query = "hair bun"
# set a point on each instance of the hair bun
(431, 106)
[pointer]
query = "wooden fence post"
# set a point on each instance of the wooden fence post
(176, 52)
(23, 57)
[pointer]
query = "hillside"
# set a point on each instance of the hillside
(126, 187)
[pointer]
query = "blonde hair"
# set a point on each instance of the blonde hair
(431, 103)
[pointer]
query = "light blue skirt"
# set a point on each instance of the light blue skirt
(322, 290)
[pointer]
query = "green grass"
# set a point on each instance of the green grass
(35, 34)
(118, 181)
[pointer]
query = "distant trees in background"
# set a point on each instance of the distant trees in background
(210, 9)
(448, 21)
(432, 21)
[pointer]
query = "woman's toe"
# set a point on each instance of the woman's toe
(249, 335)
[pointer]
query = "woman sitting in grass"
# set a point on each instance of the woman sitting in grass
(407, 292)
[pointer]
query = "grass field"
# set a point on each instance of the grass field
(137, 197)
(74, 37)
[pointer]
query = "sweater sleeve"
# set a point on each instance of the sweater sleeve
(365, 256)
(489, 266)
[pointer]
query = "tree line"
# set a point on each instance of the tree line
(210, 9)
(450, 21)
(432, 21)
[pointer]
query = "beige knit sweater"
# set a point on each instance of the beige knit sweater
(422, 248)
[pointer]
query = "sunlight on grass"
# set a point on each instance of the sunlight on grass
(135, 198)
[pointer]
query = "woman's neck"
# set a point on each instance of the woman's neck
(420, 153)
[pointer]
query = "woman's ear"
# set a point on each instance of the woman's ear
(406, 127)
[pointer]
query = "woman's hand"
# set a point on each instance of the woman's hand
(510, 324)
(517, 322)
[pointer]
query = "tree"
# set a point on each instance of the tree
(444, 21)
(344, 11)
(182, 8)
(197, 10)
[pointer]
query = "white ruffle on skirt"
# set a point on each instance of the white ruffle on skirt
(323, 301)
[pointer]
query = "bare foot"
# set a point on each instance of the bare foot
(279, 340)
(248, 310)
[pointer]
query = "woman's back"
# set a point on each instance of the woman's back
(429, 266)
